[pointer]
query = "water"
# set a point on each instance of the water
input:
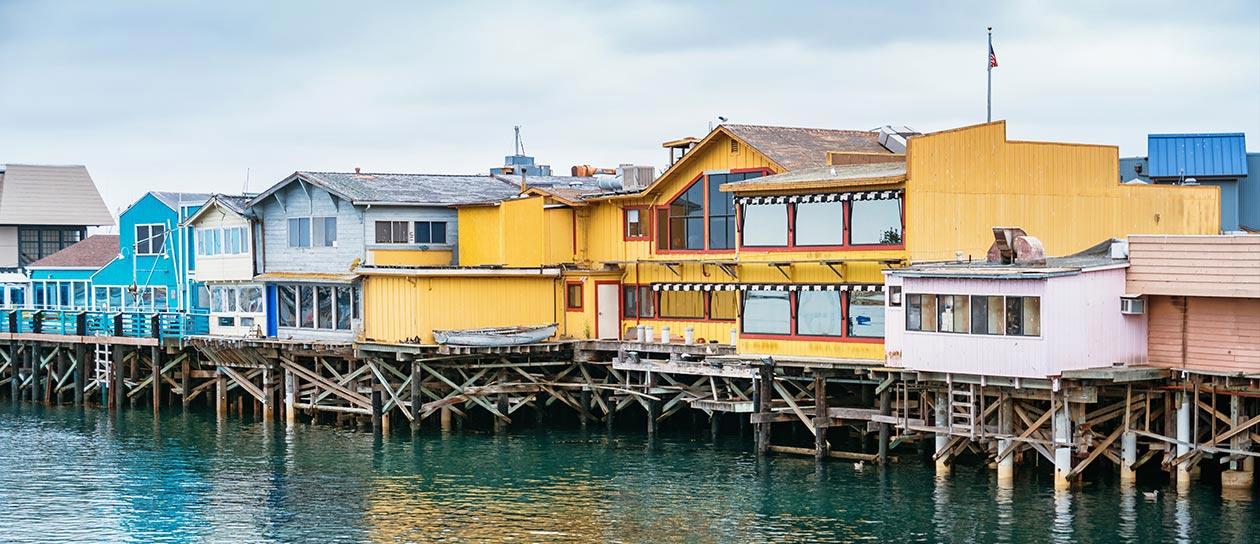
(67, 475)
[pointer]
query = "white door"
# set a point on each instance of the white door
(608, 318)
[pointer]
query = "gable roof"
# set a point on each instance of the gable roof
(415, 189)
(50, 195)
(232, 203)
(175, 200)
(93, 252)
(794, 148)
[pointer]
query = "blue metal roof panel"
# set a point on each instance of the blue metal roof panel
(1197, 155)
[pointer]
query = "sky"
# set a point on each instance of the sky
(164, 95)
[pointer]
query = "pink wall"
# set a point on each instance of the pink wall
(1081, 327)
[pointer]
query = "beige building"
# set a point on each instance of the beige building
(224, 265)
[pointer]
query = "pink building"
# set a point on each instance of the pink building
(1032, 318)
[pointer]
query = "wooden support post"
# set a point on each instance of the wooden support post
(1239, 475)
(653, 406)
(821, 447)
(15, 370)
(1184, 439)
(445, 417)
(763, 393)
(584, 398)
(885, 429)
(417, 397)
(715, 422)
(155, 360)
(376, 407)
(134, 371)
(941, 410)
(80, 373)
(62, 369)
(501, 404)
(290, 398)
(117, 386)
(220, 393)
(269, 394)
(1006, 427)
(610, 414)
(1063, 446)
(185, 379)
(37, 388)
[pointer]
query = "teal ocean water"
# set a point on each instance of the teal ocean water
(88, 476)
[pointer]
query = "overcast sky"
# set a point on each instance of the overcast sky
(154, 95)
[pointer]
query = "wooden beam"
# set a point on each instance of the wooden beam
(243, 383)
(1098, 450)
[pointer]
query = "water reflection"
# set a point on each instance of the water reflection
(941, 512)
(1005, 500)
(1182, 517)
(1128, 513)
(1062, 531)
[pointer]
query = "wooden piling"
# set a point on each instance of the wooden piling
(417, 398)
(584, 398)
(155, 361)
(80, 373)
(653, 406)
(885, 429)
(821, 447)
(220, 393)
(376, 407)
(269, 395)
(185, 379)
(62, 368)
(290, 398)
(117, 385)
(15, 384)
(764, 392)
(36, 384)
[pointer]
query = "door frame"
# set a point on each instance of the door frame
(617, 314)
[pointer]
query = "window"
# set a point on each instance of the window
(818, 313)
(35, 243)
(765, 225)
(723, 305)
(702, 217)
(287, 300)
(312, 231)
(636, 224)
(637, 302)
(573, 296)
(430, 232)
(974, 314)
(227, 321)
(875, 222)
(819, 224)
(767, 312)
(150, 239)
(324, 307)
(682, 304)
(223, 241)
(393, 232)
(251, 299)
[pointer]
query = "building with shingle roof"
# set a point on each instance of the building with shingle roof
(44, 209)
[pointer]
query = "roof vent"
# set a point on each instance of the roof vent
(634, 178)
(1011, 245)
(894, 138)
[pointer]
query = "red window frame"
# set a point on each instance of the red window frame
(568, 296)
(702, 177)
(645, 219)
(656, 307)
(847, 244)
(793, 304)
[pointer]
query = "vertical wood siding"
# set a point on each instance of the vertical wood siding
(398, 308)
(1220, 335)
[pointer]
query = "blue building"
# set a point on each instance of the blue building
(1220, 160)
(63, 280)
(155, 257)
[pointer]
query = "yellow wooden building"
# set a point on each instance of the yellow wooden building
(778, 234)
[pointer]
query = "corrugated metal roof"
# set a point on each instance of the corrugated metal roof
(92, 252)
(1197, 155)
(50, 195)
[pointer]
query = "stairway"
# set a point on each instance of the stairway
(962, 410)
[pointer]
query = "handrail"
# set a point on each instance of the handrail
(107, 323)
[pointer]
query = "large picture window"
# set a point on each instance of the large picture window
(702, 217)
(723, 305)
(973, 314)
(319, 307)
(767, 312)
(819, 314)
(819, 224)
(682, 304)
(766, 225)
(875, 222)
(35, 243)
(866, 314)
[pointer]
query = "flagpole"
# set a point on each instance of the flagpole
(988, 62)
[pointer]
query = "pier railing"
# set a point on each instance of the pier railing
(104, 323)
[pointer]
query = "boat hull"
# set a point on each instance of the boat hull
(506, 336)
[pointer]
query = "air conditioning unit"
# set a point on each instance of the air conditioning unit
(1132, 305)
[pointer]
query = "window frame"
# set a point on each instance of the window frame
(846, 242)
(310, 231)
(430, 226)
(148, 239)
(569, 305)
(971, 307)
(645, 222)
(393, 239)
(663, 228)
(794, 329)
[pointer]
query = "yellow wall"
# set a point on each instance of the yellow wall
(558, 234)
(397, 308)
(411, 257)
(480, 236)
(965, 181)
(518, 233)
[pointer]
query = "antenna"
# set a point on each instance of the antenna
(245, 189)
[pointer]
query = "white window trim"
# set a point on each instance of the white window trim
(136, 245)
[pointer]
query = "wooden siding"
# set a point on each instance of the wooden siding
(410, 257)
(1081, 327)
(1206, 266)
(1218, 335)
(963, 182)
(8, 247)
(223, 267)
(279, 257)
(410, 214)
(51, 195)
(398, 308)
(520, 233)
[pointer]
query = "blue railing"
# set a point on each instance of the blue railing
(159, 325)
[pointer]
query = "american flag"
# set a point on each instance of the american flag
(992, 57)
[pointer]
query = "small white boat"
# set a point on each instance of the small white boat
(499, 336)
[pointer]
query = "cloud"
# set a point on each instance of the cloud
(154, 95)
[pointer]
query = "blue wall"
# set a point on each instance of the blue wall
(151, 270)
(1249, 194)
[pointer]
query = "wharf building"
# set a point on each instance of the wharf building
(764, 278)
